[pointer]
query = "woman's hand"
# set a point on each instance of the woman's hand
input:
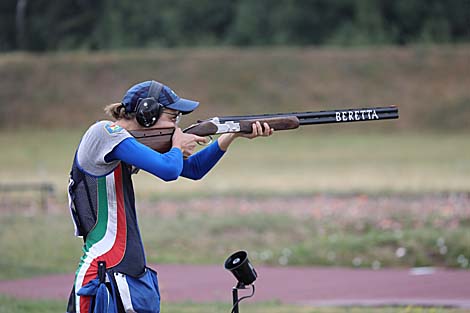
(186, 142)
(258, 131)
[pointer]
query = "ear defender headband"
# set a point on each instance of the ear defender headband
(148, 110)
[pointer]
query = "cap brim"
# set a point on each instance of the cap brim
(185, 106)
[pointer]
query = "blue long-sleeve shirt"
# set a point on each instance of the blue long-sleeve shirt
(167, 166)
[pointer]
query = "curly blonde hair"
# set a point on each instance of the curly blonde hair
(118, 111)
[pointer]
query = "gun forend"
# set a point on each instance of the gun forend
(213, 126)
(276, 123)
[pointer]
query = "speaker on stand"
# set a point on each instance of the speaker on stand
(239, 265)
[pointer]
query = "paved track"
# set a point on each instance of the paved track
(296, 285)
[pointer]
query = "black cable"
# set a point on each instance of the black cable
(243, 298)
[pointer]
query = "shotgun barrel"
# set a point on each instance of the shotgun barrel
(325, 117)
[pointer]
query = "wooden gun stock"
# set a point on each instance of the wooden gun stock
(158, 139)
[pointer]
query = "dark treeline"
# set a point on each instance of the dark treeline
(42, 25)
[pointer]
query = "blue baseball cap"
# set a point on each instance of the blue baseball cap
(166, 97)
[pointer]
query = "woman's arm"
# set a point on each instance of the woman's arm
(167, 166)
(199, 164)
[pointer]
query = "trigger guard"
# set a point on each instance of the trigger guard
(206, 144)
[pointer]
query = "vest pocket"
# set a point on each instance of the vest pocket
(139, 294)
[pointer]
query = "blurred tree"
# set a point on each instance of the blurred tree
(251, 25)
(369, 23)
(57, 25)
(20, 19)
(8, 39)
(112, 24)
(204, 23)
(309, 22)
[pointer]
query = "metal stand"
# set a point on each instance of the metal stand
(235, 296)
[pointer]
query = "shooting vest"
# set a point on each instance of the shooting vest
(102, 205)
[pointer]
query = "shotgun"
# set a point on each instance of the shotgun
(159, 139)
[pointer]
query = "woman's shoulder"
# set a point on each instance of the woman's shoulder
(99, 140)
(106, 128)
(109, 127)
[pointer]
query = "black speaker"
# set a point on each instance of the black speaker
(241, 267)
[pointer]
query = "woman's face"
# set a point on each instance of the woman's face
(168, 118)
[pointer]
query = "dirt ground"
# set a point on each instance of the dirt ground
(347, 205)
(355, 205)
(294, 285)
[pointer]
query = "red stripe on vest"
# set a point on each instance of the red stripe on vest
(114, 256)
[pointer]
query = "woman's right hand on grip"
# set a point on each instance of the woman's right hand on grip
(186, 142)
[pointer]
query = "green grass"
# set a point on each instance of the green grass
(282, 240)
(291, 162)
(33, 245)
(10, 305)
(41, 244)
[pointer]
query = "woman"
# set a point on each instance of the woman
(101, 195)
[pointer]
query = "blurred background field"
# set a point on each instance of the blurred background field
(291, 162)
(70, 89)
(373, 195)
(425, 156)
(425, 150)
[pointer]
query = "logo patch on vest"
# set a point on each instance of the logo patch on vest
(112, 128)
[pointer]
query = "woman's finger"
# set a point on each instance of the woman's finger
(254, 133)
(259, 128)
(267, 129)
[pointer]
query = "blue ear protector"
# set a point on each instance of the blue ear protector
(148, 110)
